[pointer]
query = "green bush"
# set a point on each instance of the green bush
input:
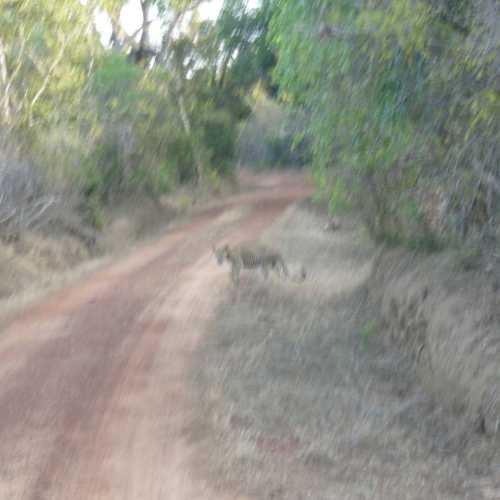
(219, 137)
(400, 94)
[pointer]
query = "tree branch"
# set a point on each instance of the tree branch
(178, 17)
(4, 76)
(7, 98)
(46, 80)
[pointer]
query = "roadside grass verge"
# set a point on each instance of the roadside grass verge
(297, 397)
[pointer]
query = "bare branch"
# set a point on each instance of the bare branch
(9, 216)
(38, 210)
(48, 76)
(4, 76)
(178, 17)
(8, 98)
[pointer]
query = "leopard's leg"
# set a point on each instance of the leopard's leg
(235, 273)
(265, 271)
(281, 268)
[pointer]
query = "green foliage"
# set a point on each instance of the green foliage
(241, 36)
(214, 180)
(115, 78)
(94, 213)
(338, 200)
(401, 94)
(105, 121)
(43, 56)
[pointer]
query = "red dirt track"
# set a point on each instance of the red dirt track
(93, 399)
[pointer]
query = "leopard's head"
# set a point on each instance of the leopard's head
(221, 254)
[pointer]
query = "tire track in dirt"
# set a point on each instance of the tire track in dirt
(92, 400)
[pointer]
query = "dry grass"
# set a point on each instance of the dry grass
(299, 399)
(43, 260)
(40, 261)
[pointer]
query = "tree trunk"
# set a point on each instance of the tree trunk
(5, 84)
(144, 49)
(188, 129)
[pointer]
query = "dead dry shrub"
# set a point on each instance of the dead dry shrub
(25, 201)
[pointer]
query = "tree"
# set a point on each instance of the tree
(44, 55)
(110, 119)
(401, 95)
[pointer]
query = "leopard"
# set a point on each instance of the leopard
(251, 256)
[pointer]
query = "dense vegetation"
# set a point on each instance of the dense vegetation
(398, 101)
(404, 104)
(90, 110)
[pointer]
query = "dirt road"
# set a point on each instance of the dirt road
(92, 380)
